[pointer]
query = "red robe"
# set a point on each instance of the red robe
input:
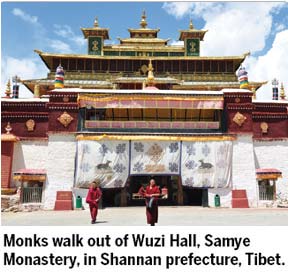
(152, 213)
(92, 196)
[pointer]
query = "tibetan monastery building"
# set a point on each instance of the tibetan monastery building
(143, 108)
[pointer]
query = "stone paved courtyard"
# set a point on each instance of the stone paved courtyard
(135, 216)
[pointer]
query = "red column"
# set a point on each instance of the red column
(7, 148)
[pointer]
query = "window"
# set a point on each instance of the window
(266, 189)
(95, 114)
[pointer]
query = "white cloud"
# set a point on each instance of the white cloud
(66, 31)
(59, 46)
(272, 65)
(25, 69)
(279, 27)
(177, 43)
(233, 27)
(181, 9)
(25, 16)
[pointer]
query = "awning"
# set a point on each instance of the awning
(151, 101)
(268, 174)
(24, 175)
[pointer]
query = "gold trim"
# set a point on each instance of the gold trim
(8, 191)
(268, 176)
(156, 138)
(46, 54)
(27, 177)
(144, 30)
(148, 97)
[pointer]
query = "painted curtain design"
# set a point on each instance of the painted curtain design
(149, 157)
(104, 160)
(206, 164)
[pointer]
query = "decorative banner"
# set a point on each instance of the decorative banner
(59, 77)
(206, 164)
(149, 157)
(243, 78)
(147, 101)
(104, 160)
(94, 45)
(193, 47)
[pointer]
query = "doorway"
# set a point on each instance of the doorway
(195, 196)
(163, 181)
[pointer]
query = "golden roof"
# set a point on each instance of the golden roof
(144, 41)
(144, 30)
(96, 31)
(192, 32)
(48, 55)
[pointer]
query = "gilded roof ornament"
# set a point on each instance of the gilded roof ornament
(191, 24)
(96, 24)
(143, 22)
(150, 78)
(8, 89)
(282, 92)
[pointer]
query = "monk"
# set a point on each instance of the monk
(93, 197)
(151, 196)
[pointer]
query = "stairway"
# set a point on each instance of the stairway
(64, 200)
(239, 199)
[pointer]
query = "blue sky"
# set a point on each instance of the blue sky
(234, 28)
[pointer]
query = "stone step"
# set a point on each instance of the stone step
(239, 194)
(63, 205)
(240, 203)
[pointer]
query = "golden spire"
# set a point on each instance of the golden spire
(8, 89)
(282, 92)
(36, 91)
(96, 24)
(143, 22)
(253, 89)
(150, 78)
(191, 24)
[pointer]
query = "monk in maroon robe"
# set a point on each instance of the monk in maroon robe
(151, 199)
(93, 197)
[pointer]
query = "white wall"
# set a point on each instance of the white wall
(274, 154)
(243, 171)
(60, 166)
(225, 197)
(29, 155)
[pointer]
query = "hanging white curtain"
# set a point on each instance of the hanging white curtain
(104, 160)
(149, 157)
(206, 164)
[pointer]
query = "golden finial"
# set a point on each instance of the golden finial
(253, 89)
(8, 89)
(150, 78)
(36, 91)
(96, 24)
(282, 92)
(191, 24)
(143, 22)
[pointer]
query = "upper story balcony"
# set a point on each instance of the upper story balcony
(151, 111)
